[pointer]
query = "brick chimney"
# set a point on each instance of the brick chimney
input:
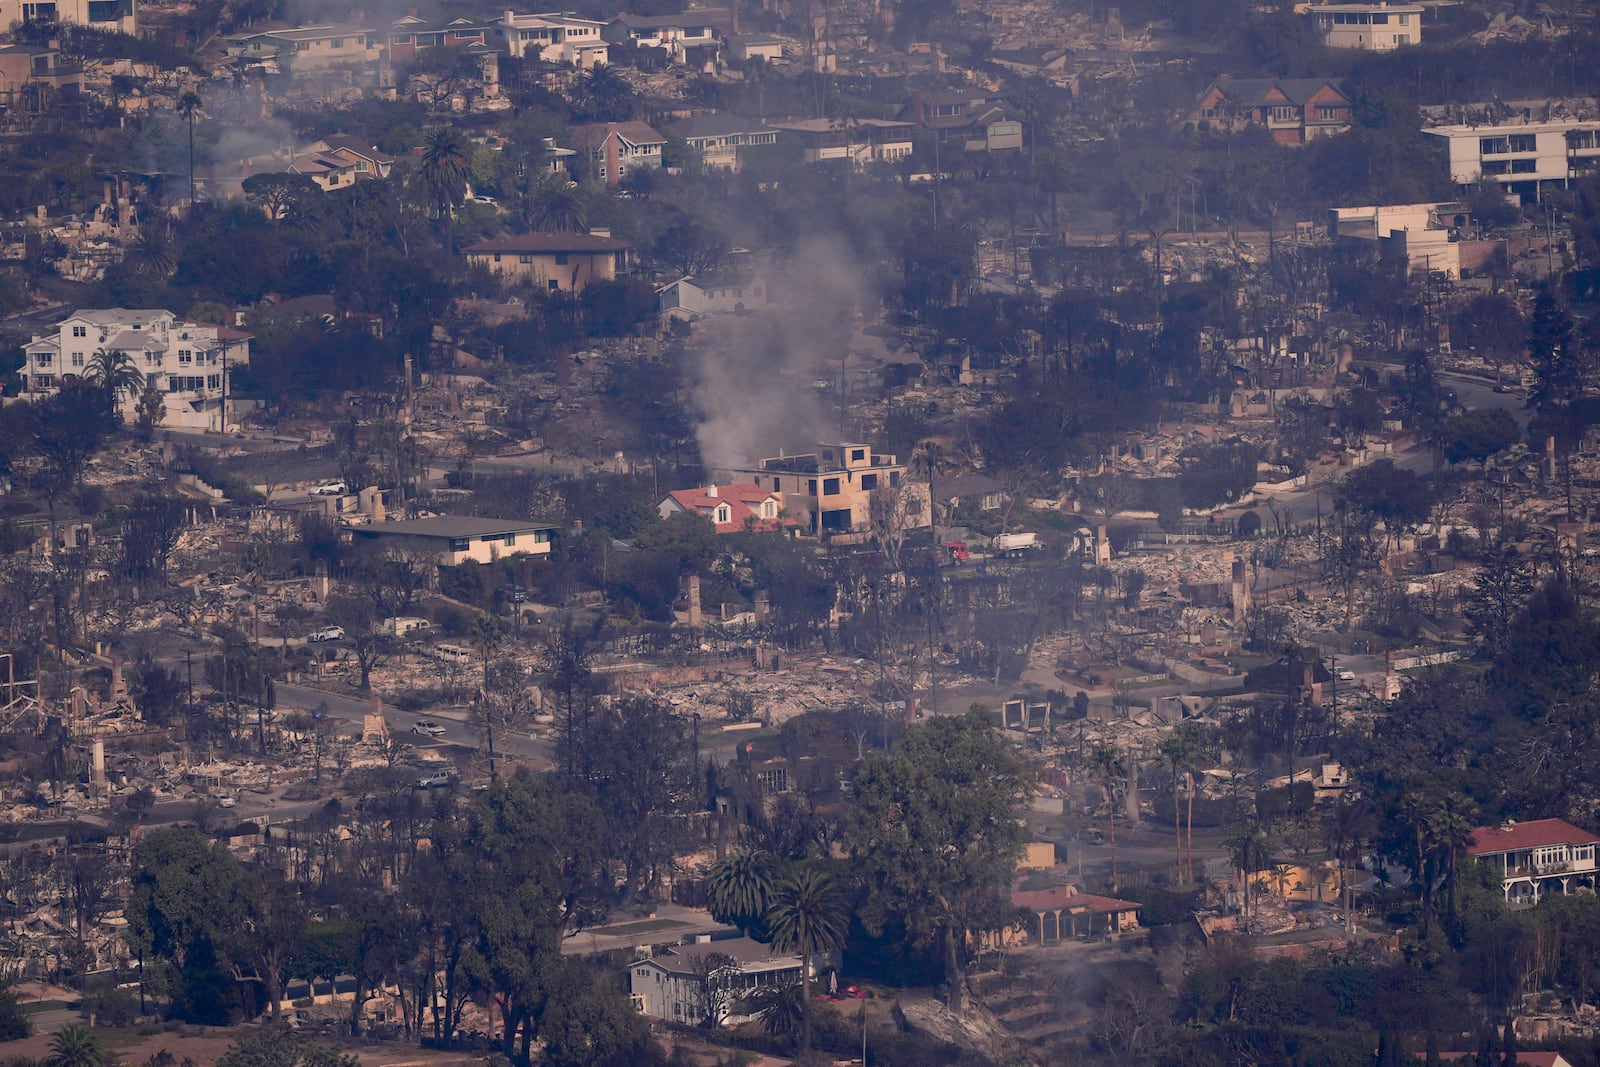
(612, 162)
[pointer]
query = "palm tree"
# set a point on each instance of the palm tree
(75, 1045)
(739, 887)
(1178, 749)
(554, 205)
(1344, 831)
(151, 253)
(604, 94)
(113, 371)
(187, 106)
(808, 915)
(1106, 762)
(446, 165)
(781, 1008)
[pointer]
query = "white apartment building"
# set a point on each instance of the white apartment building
(1379, 27)
(120, 16)
(554, 38)
(189, 363)
(1521, 157)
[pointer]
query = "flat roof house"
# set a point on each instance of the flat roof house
(453, 540)
(1522, 157)
(1380, 27)
(559, 262)
(555, 38)
(831, 491)
(113, 16)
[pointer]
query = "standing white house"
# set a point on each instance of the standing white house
(1524, 157)
(1377, 27)
(189, 363)
(1535, 859)
(674, 985)
(555, 38)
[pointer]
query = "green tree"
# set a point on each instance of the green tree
(444, 168)
(738, 887)
(808, 915)
(936, 839)
(780, 1008)
(75, 1045)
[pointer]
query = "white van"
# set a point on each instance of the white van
(454, 655)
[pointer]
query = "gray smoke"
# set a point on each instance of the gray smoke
(754, 382)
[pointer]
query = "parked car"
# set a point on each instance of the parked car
(329, 489)
(436, 780)
(327, 633)
(428, 727)
(227, 800)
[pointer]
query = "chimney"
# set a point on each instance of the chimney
(613, 165)
(711, 491)
(695, 618)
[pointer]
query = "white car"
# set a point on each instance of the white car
(227, 801)
(329, 489)
(327, 633)
(436, 780)
(428, 727)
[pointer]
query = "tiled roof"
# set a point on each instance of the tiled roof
(592, 135)
(1253, 92)
(1487, 840)
(743, 500)
(1066, 898)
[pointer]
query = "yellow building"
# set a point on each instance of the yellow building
(560, 262)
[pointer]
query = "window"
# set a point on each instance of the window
(80, 331)
(830, 487)
(1380, 20)
(561, 259)
(337, 42)
(460, 544)
(1283, 113)
(1495, 168)
(554, 286)
(522, 259)
(213, 381)
(857, 455)
(1524, 142)
(769, 509)
(869, 481)
(1402, 38)
(1405, 20)
(894, 479)
(1329, 114)
(44, 381)
(1524, 166)
(44, 359)
(1493, 146)
(723, 515)
(811, 487)
(77, 359)
(185, 357)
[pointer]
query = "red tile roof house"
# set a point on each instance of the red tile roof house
(1535, 859)
(1293, 110)
(731, 508)
(1062, 913)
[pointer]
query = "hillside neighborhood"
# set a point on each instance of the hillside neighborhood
(1015, 532)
